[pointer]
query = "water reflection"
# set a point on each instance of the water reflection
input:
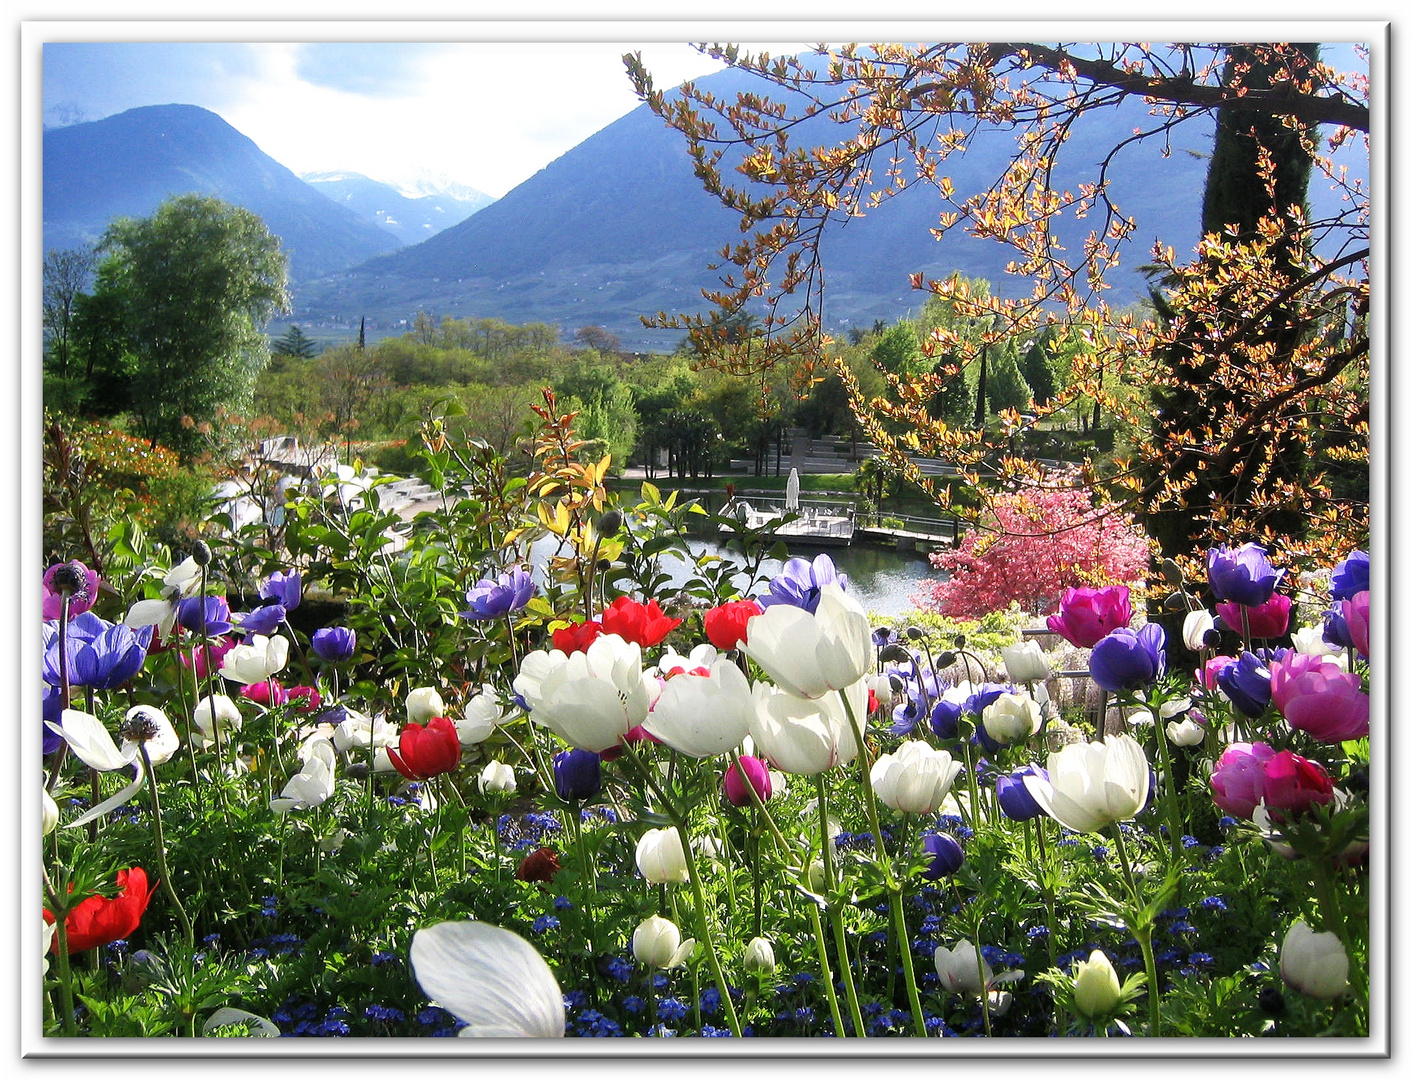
(882, 580)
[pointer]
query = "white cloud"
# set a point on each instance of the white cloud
(486, 114)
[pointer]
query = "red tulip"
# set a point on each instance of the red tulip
(1269, 620)
(576, 637)
(305, 698)
(101, 920)
(539, 865)
(643, 624)
(725, 625)
(424, 752)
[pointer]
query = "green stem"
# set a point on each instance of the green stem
(161, 849)
(1143, 934)
(694, 880)
(585, 862)
(824, 972)
(894, 890)
(840, 938)
(1169, 792)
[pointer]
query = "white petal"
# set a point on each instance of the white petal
(263, 1029)
(112, 803)
(91, 743)
(491, 978)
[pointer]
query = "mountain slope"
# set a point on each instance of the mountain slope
(125, 165)
(410, 219)
(619, 227)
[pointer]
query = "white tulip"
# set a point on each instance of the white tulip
(357, 731)
(423, 703)
(1093, 785)
(657, 943)
(1026, 662)
(262, 658)
(1310, 641)
(312, 785)
(589, 699)
(805, 736)
(959, 971)
(496, 778)
(759, 956)
(1314, 964)
(915, 778)
(493, 980)
(1185, 732)
(811, 654)
(1011, 718)
(660, 857)
(479, 718)
(155, 732)
(90, 742)
(1195, 627)
(216, 713)
(703, 715)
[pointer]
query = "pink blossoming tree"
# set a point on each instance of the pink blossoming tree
(1039, 543)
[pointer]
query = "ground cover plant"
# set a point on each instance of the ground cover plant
(325, 788)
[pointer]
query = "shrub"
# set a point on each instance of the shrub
(1037, 545)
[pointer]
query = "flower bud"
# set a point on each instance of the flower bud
(660, 857)
(610, 523)
(496, 778)
(1314, 964)
(1096, 988)
(657, 943)
(759, 956)
(423, 703)
(817, 875)
(67, 579)
(201, 553)
(50, 814)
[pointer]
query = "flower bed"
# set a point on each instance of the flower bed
(499, 803)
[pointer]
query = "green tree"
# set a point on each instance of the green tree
(899, 351)
(1259, 172)
(197, 281)
(1007, 388)
(1037, 369)
(294, 343)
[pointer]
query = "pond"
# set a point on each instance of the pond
(881, 579)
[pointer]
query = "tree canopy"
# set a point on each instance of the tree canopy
(196, 282)
(901, 112)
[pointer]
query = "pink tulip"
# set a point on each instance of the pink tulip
(757, 774)
(259, 693)
(1316, 696)
(1238, 782)
(1293, 785)
(1269, 620)
(1212, 668)
(1355, 614)
(1086, 615)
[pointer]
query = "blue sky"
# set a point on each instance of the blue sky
(485, 114)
